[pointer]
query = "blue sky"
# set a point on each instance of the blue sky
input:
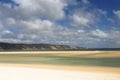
(84, 23)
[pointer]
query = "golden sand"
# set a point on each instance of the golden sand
(92, 54)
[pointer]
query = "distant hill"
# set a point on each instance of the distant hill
(48, 47)
(11, 46)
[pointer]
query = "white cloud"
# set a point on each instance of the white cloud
(85, 17)
(80, 20)
(85, 1)
(10, 21)
(117, 13)
(70, 2)
(6, 34)
(34, 21)
(114, 36)
(116, 19)
(51, 9)
(24, 36)
(34, 26)
(99, 33)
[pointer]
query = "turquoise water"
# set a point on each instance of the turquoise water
(58, 60)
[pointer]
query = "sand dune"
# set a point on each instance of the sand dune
(18, 73)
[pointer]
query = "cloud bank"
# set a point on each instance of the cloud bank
(55, 22)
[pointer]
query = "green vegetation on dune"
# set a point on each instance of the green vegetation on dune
(58, 60)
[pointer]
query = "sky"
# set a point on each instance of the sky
(83, 23)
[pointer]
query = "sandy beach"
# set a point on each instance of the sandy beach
(19, 71)
(94, 54)
(24, 73)
(63, 67)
